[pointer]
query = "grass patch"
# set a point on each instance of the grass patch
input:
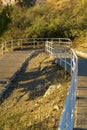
(27, 108)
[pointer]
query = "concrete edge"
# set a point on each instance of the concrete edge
(9, 83)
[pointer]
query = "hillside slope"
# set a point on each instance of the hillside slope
(47, 18)
(37, 101)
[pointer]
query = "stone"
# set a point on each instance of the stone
(56, 108)
(51, 89)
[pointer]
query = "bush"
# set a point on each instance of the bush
(45, 20)
(5, 19)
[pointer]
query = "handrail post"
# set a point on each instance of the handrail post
(67, 119)
(34, 43)
(56, 55)
(60, 58)
(59, 41)
(71, 63)
(65, 58)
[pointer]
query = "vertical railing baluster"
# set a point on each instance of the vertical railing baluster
(67, 119)
(65, 58)
(71, 64)
(34, 43)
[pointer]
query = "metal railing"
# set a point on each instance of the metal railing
(29, 43)
(66, 57)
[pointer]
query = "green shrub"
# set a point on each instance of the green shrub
(44, 20)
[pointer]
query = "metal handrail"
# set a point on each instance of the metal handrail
(30, 43)
(61, 53)
(67, 118)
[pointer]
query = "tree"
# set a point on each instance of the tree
(5, 19)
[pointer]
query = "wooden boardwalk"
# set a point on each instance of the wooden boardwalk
(9, 64)
(81, 102)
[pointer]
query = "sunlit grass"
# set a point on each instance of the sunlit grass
(27, 108)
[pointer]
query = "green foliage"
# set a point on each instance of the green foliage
(44, 20)
(5, 19)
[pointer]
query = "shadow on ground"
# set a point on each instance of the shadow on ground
(36, 81)
(15, 82)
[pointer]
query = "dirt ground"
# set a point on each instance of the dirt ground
(81, 45)
(38, 97)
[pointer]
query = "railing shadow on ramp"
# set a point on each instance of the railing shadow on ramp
(11, 87)
(29, 80)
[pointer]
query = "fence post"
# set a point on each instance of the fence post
(34, 43)
(67, 119)
(56, 54)
(46, 48)
(60, 58)
(65, 58)
(59, 41)
(51, 48)
(71, 63)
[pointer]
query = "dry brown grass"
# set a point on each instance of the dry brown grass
(80, 44)
(26, 108)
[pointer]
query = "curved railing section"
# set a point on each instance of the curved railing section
(66, 57)
(29, 43)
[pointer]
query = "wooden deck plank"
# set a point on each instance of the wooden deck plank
(81, 101)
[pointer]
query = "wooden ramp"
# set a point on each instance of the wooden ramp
(81, 101)
(9, 64)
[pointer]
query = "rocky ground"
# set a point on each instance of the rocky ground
(38, 97)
